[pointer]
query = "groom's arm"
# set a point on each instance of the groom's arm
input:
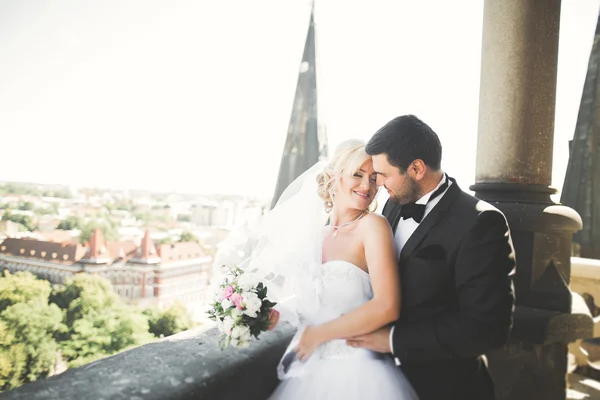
(484, 290)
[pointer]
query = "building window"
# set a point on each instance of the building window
(32, 252)
(43, 253)
(65, 257)
(22, 251)
(3, 248)
(54, 255)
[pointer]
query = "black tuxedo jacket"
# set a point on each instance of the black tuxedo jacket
(457, 296)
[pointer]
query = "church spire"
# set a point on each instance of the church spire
(581, 188)
(305, 143)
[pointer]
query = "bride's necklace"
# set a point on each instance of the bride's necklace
(336, 228)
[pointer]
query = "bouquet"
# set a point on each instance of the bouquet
(241, 309)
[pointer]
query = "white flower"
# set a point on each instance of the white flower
(227, 325)
(235, 313)
(241, 333)
(226, 303)
(252, 303)
(246, 282)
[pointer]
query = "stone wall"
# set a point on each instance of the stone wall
(181, 367)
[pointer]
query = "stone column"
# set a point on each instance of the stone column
(514, 172)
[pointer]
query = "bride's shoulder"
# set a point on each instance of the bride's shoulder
(376, 223)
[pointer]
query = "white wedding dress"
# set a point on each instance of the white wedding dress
(283, 250)
(335, 370)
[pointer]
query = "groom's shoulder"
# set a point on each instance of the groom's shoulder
(468, 203)
(474, 207)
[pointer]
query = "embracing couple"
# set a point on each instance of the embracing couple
(398, 306)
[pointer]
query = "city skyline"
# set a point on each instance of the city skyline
(172, 97)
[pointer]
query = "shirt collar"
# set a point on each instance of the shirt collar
(425, 198)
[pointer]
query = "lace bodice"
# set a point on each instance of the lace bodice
(342, 287)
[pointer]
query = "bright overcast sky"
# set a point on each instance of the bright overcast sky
(195, 96)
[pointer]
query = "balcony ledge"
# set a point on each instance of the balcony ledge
(184, 366)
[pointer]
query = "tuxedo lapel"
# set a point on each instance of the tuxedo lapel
(434, 216)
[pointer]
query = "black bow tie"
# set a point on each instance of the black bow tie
(417, 211)
(414, 211)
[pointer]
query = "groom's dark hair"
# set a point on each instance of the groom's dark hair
(405, 139)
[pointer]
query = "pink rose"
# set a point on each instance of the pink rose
(237, 299)
(227, 292)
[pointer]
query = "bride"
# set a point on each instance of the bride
(331, 265)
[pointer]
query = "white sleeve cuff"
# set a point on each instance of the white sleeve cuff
(392, 339)
(396, 360)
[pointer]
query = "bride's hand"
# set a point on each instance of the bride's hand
(311, 339)
(273, 319)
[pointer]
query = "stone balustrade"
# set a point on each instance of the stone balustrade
(585, 284)
(181, 367)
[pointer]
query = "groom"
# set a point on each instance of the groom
(456, 259)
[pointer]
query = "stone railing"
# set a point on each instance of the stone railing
(585, 276)
(585, 284)
(184, 366)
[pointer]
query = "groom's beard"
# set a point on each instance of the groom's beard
(408, 193)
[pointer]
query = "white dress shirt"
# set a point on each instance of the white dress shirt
(406, 228)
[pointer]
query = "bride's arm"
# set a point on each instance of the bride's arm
(383, 308)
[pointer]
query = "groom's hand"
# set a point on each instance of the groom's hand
(378, 341)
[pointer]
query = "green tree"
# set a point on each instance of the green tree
(52, 210)
(14, 188)
(165, 240)
(26, 206)
(24, 220)
(187, 236)
(83, 295)
(173, 320)
(109, 231)
(34, 325)
(13, 359)
(70, 223)
(62, 194)
(22, 287)
(28, 329)
(99, 324)
(122, 204)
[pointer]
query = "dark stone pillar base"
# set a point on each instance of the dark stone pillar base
(523, 371)
(533, 365)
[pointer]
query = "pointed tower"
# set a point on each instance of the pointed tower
(306, 141)
(146, 252)
(581, 188)
(97, 252)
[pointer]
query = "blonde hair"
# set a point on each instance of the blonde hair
(347, 159)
